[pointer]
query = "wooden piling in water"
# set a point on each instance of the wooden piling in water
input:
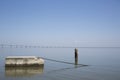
(76, 56)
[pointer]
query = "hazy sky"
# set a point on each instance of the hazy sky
(60, 22)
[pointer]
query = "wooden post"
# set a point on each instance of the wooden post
(76, 56)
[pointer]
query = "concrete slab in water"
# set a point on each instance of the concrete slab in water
(23, 61)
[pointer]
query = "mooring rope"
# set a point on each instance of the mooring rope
(61, 61)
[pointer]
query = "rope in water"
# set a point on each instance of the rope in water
(62, 61)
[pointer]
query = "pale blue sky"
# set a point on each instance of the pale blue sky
(60, 22)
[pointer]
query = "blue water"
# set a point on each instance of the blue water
(103, 64)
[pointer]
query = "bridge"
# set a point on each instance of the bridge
(41, 46)
(31, 46)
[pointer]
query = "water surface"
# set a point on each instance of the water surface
(103, 64)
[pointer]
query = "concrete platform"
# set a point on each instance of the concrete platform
(23, 61)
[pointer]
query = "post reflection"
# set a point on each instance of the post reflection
(23, 71)
(76, 61)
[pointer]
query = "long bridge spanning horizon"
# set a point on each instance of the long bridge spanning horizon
(32, 46)
(38, 46)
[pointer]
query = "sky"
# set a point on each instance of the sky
(60, 22)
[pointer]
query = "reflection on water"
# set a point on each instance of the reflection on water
(76, 61)
(23, 71)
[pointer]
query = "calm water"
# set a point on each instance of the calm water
(104, 64)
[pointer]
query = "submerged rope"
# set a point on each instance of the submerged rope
(62, 61)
